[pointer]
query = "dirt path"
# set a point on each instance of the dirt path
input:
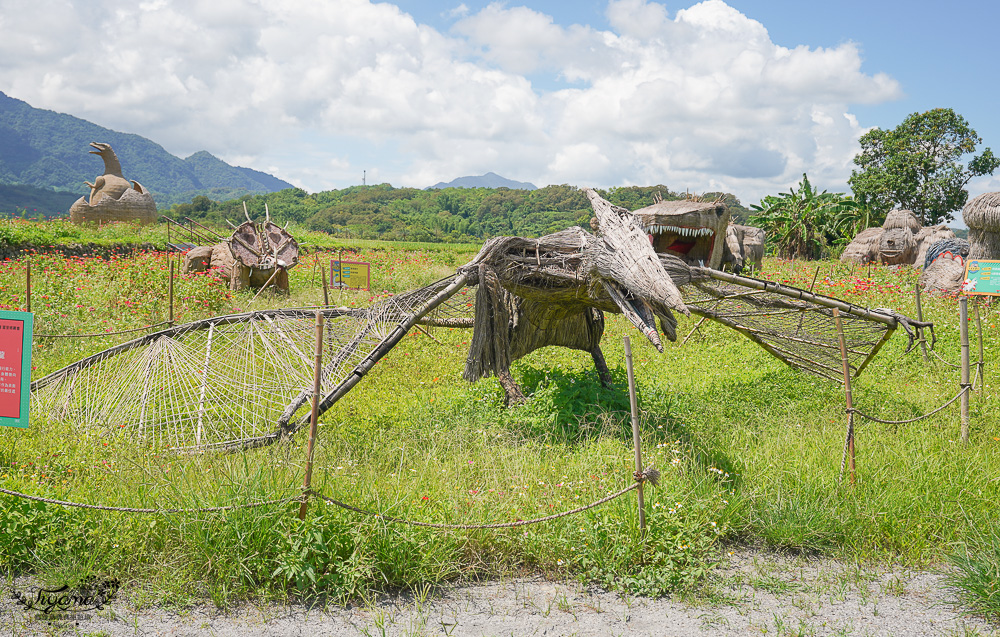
(757, 594)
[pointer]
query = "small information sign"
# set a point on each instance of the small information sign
(350, 274)
(15, 367)
(982, 277)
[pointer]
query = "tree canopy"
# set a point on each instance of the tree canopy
(803, 222)
(918, 165)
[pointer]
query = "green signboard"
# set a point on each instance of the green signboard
(982, 277)
(15, 367)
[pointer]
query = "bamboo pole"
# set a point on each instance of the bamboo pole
(981, 363)
(635, 430)
(314, 417)
(326, 290)
(849, 445)
(920, 317)
(963, 317)
(170, 294)
(802, 313)
(204, 387)
(27, 285)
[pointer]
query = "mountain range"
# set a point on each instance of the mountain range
(45, 154)
(489, 180)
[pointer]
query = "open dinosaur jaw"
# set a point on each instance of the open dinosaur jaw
(637, 310)
(694, 245)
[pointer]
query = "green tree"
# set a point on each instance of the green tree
(801, 221)
(918, 165)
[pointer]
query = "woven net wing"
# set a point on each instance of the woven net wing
(226, 379)
(802, 332)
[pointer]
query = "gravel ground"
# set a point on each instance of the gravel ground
(756, 594)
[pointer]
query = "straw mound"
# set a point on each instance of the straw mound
(864, 248)
(982, 215)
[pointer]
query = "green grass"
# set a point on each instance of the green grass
(750, 452)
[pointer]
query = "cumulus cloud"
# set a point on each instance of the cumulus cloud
(318, 91)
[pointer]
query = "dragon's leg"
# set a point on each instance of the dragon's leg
(512, 392)
(602, 366)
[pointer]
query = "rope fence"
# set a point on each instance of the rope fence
(965, 388)
(100, 334)
(101, 507)
(649, 475)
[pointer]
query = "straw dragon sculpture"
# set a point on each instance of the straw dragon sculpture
(529, 293)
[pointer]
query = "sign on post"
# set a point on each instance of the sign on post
(982, 277)
(15, 367)
(350, 274)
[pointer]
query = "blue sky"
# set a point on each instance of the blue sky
(741, 96)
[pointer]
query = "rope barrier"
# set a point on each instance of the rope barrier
(648, 475)
(965, 387)
(944, 361)
(99, 507)
(96, 334)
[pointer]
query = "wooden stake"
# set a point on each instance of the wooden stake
(27, 285)
(980, 364)
(920, 317)
(326, 290)
(635, 429)
(314, 417)
(802, 314)
(850, 399)
(963, 317)
(170, 293)
(261, 291)
(693, 330)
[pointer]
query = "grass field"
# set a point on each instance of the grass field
(750, 452)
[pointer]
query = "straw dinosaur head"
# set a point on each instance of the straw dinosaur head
(692, 230)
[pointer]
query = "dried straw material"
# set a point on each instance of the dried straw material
(982, 215)
(927, 237)
(897, 247)
(903, 219)
(864, 248)
(944, 275)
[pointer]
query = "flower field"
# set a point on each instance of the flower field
(749, 449)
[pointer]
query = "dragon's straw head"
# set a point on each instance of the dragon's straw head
(695, 231)
(631, 272)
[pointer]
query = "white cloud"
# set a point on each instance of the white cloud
(321, 90)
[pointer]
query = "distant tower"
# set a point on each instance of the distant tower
(364, 177)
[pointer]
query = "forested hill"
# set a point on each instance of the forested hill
(49, 151)
(449, 215)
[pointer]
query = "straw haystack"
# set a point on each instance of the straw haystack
(982, 215)
(864, 248)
